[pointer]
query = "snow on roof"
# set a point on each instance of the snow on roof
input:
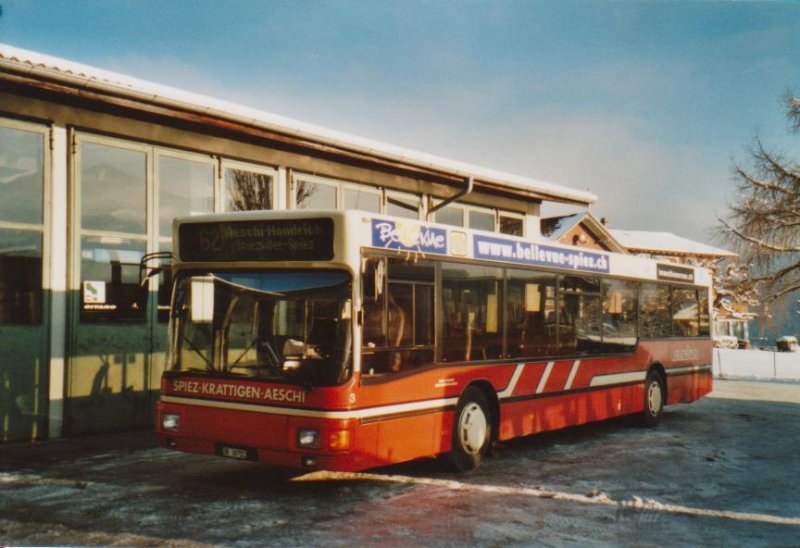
(555, 227)
(665, 242)
(86, 77)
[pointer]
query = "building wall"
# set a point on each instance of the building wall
(87, 187)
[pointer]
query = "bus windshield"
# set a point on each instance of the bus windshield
(279, 326)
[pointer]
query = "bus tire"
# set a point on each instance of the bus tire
(654, 396)
(472, 430)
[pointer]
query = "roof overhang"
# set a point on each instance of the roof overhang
(36, 69)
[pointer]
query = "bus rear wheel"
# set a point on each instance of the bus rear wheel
(472, 430)
(654, 396)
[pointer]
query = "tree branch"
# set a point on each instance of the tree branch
(759, 243)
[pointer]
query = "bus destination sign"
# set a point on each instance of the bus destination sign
(262, 240)
(674, 273)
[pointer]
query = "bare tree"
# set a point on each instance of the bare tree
(248, 191)
(764, 220)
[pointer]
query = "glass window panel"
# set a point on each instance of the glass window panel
(186, 188)
(399, 206)
(398, 315)
(619, 315)
(362, 199)
(21, 176)
(705, 325)
(313, 195)
(510, 225)
(113, 189)
(472, 312)
(20, 277)
(423, 314)
(401, 314)
(450, 215)
(481, 220)
(247, 190)
(110, 289)
(655, 318)
(531, 310)
(374, 285)
(685, 313)
(579, 315)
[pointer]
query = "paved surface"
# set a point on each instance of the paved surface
(722, 471)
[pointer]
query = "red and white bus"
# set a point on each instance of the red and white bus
(350, 340)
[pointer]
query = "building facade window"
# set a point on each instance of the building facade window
(113, 220)
(511, 224)
(314, 192)
(479, 218)
(450, 215)
(21, 223)
(24, 259)
(248, 187)
(185, 187)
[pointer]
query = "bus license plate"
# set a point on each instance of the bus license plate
(235, 453)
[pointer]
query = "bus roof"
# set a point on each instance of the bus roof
(304, 236)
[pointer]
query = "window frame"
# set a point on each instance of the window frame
(467, 210)
(43, 228)
(221, 203)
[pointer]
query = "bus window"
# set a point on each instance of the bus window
(531, 310)
(619, 315)
(655, 319)
(685, 319)
(579, 315)
(472, 312)
(705, 324)
(269, 325)
(398, 315)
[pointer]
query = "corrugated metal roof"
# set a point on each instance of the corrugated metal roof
(665, 242)
(50, 68)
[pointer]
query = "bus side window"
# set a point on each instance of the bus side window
(398, 315)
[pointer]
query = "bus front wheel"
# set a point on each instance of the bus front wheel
(654, 396)
(472, 430)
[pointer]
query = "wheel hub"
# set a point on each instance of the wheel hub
(472, 428)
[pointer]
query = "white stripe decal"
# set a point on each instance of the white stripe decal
(427, 405)
(572, 373)
(618, 378)
(512, 383)
(545, 376)
(338, 415)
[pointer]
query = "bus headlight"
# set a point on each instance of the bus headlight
(171, 422)
(308, 438)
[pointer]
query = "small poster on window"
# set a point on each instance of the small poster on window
(94, 292)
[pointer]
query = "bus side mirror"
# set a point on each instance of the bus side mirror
(146, 271)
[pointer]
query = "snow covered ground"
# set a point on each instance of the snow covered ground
(756, 365)
(722, 471)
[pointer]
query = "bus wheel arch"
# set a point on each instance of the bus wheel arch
(474, 427)
(655, 395)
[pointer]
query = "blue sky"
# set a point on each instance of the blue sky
(646, 104)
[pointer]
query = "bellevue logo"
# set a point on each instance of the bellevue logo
(408, 236)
